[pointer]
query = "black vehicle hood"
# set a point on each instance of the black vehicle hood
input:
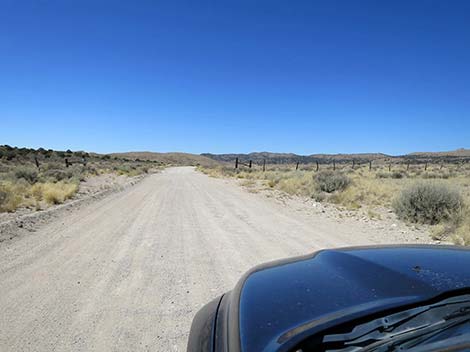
(280, 304)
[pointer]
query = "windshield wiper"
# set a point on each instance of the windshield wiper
(413, 338)
(411, 326)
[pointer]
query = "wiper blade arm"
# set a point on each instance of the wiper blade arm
(413, 321)
(375, 325)
(413, 338)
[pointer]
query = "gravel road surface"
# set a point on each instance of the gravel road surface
(128, 272)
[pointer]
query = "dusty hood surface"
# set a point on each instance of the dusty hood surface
(281, 304)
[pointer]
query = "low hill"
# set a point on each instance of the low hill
(168, 158)
(462, 152)
(290, 158)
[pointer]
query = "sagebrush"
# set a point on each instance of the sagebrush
(428, 203)
(331, 181)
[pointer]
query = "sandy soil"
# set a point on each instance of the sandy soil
(128, 271)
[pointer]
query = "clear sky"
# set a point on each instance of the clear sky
(235, 76)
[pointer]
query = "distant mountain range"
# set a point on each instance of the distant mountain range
(208, 159)
(168, 158)
(287, 158)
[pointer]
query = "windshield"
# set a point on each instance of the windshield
(434, 327)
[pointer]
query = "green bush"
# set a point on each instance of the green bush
(26, 173)
(428, 202)
(330, 181)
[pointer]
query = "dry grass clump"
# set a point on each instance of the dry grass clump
(54, 193)
(457, 228)
(299, 183)
(366, 192)
(302, 184)
(22, 194)
(57, 193)
(461, 236)
(9, 199)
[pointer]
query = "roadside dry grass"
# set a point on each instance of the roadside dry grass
(25, 185)
(367, 190)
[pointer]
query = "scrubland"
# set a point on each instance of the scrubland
(438, 196)
(39, 178)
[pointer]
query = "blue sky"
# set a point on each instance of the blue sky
(235, 76)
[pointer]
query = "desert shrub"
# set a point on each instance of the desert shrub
(318, 196)
(330, 181)
(431, 175)
(448, 174)
(382, 174)
(394, 174)
(122, 169)
(397, 174)
(26, 173)
(271, 183)
(92, 170)
(55, 175)
(4, 169)
(75, 172)
(427, 202)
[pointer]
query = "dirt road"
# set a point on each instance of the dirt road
(128, 272)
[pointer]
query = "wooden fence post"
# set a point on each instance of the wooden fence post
(67, 162)
(389, 167)
(426, 166)
(370, 165)
(264, 165)
(334, 165)
(36, 161)
(297, 166)
(236, 163)
(249, 165)
(318, 166)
